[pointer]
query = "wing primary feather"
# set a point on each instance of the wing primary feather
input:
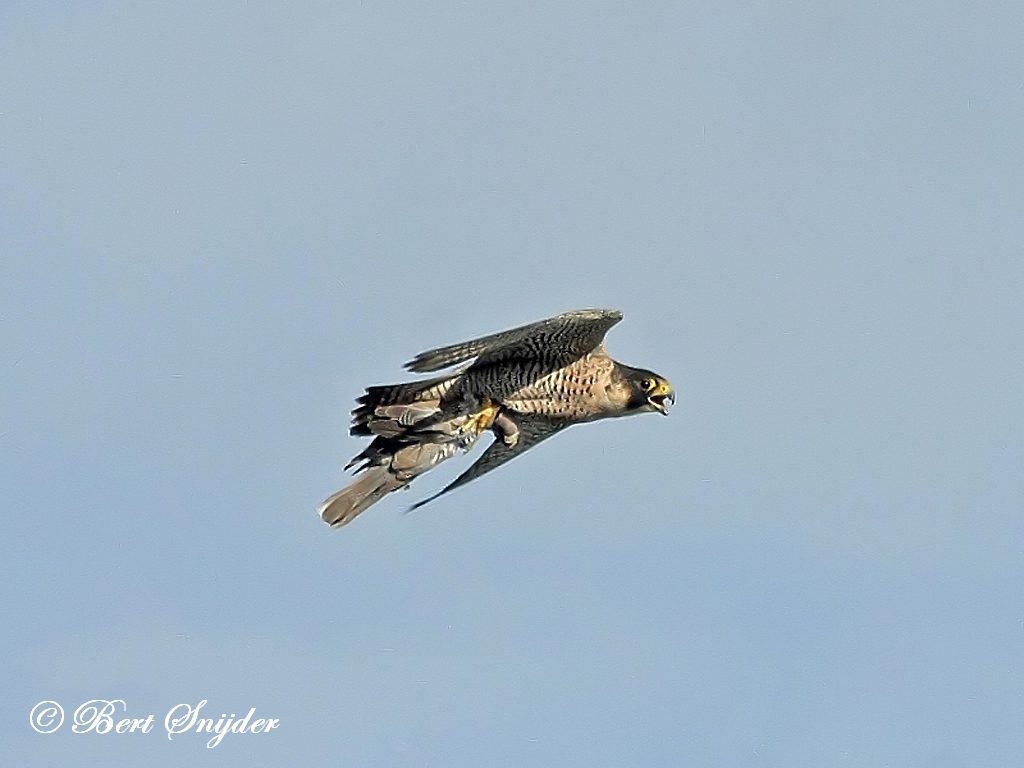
(532, 430)
(578, 331)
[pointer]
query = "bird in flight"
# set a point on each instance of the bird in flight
(523, 385)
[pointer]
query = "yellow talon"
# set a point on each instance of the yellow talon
(482, 419)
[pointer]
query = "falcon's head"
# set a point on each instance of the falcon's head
(650, 392)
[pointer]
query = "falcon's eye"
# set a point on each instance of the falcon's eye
(647, 385)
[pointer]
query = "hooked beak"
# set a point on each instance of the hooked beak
(661, 396)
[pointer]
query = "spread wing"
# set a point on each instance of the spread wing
(570, 336)
(532, 430)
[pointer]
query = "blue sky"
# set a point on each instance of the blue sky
(220, 222)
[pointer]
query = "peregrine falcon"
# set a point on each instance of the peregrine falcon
(523, 385)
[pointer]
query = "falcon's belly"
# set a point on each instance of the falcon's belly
(582, 391)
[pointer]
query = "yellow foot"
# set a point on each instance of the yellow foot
(482, 419)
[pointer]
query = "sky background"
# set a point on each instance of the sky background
(220, 221)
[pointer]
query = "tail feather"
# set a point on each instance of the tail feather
(389, 465)
(366, 490)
